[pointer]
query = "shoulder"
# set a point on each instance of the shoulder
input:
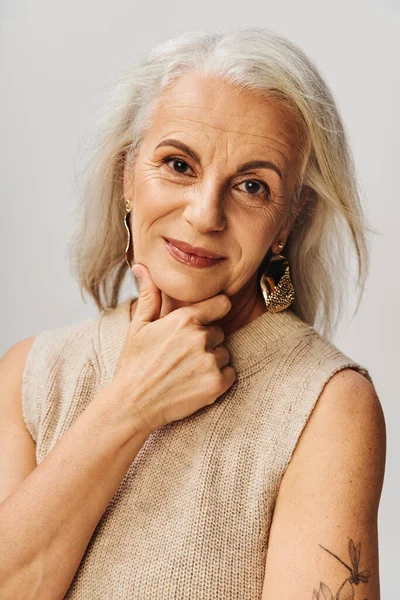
(346, 433)
(58, 351)
(350, 407)
(24, 353)
(81, 333)
(61, 366)
(17, 353)
(12, 364)
(351, 392)
(326, 364)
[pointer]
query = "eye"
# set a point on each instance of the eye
(179, 163)
(253, 185)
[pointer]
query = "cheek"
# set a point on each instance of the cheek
(255, 236)
(252, 253)
(152, 198)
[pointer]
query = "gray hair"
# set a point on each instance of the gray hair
(255, 59)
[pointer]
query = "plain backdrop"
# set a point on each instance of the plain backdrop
(57, 60)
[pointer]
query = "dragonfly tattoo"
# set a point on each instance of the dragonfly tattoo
(346, 590)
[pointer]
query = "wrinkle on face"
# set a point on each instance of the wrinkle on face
(207, 106)
(232, 139)
(226, 127)
(227, 138)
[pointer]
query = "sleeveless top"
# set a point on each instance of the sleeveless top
(191, 518)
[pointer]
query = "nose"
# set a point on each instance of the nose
(205, 207)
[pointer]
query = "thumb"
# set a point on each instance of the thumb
(149, 302)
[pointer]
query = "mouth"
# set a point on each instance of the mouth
(194, 250)
(192, 260)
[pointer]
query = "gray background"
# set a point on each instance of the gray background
(57, 60)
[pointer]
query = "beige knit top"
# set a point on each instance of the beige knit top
(191, 518)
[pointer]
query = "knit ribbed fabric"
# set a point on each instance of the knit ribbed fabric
(192, 516)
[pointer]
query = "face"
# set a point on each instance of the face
(196, 189)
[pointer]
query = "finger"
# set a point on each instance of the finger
(222, 356)
(228, 376)
(211, 309)
(148, 304)
(215, 336)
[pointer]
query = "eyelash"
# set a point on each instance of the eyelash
(171, 158)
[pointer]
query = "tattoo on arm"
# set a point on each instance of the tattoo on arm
(346, 590)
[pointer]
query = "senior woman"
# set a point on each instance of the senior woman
(202, 440)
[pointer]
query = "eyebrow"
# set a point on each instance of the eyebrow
(252, 164)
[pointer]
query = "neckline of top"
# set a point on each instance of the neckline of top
(262, 334)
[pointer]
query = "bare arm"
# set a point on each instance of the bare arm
(17, 448)
(47, 522)
(324, 535)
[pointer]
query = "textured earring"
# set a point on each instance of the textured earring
(129, 245)
(275, 283)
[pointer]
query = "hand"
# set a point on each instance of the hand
(172, 366)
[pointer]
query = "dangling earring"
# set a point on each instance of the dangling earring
(275, 283)
(129, 245)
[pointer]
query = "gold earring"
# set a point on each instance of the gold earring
(275, 283)
(129, 245)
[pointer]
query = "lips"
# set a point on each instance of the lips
(195, 250)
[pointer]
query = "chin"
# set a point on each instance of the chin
(183, 288)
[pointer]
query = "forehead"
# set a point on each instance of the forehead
(224, 114)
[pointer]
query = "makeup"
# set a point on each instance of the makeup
(191, 260)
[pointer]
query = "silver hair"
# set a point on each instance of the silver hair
(255, 59)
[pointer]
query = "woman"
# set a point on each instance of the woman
(203, 440)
